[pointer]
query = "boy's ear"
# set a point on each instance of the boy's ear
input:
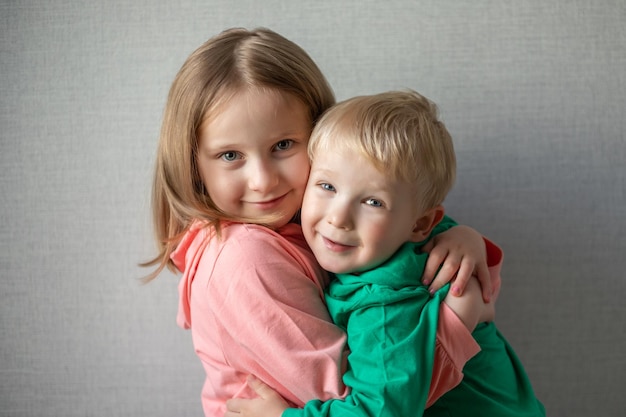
(426, 222)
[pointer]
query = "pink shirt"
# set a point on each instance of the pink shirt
(254, 302)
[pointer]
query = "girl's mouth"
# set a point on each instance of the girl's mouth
(269, 204)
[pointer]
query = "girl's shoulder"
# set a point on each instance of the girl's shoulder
(255, 246)
(241, 246)
(254, 240)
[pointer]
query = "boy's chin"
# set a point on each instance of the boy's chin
(338, 269)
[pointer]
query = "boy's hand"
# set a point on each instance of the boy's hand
(269, 403)
(461, 253)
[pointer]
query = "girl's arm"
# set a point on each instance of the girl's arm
(268, 403)
(469, 307)
(271, 321)
(459, 252)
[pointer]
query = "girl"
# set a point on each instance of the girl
(230, 174)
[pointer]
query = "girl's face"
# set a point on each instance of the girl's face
(252, 155)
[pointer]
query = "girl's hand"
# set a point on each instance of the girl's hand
(269, 403)
(461, 253)
(470, 307)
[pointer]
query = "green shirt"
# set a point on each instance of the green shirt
(391, 322)
(494, 383)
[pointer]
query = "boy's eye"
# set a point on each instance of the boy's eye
(284, 144)
(374, 202)
(327, 187)
(229, 156)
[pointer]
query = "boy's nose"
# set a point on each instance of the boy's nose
(339, 216)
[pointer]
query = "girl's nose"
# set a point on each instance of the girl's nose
(263, 176)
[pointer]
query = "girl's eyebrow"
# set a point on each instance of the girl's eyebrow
(290, 134)
(219, 146)
(217, 143)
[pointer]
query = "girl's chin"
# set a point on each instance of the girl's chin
(273, 220)
(280, 222)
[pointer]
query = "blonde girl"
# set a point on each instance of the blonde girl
(230, 174)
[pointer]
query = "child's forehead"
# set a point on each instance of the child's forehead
(337, 157)
(341, 157)
(346, 144)
(272, 97)
(251, 93)
(356, 172)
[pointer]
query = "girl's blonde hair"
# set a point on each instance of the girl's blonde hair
(232, 61)
(400, 134)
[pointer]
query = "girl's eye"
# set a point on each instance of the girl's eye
(229, 156)
(284, 144)
(327, 187)
(374, 203)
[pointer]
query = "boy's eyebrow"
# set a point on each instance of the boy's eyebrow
(326, 171)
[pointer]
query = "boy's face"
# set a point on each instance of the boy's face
(252, 156)
(353, 216)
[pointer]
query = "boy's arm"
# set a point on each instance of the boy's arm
(392, 352)
(454, 347)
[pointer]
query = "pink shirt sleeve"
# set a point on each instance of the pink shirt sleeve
(495, 256)
(272, 321)
(455, 344)
(454, 347)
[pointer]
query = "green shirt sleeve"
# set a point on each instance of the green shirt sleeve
(391, 335)
(445, 224)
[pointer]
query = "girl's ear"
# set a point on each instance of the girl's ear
(425, 223)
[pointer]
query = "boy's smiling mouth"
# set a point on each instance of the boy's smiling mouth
(335, 246)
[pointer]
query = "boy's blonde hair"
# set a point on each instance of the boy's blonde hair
(400, 134)
(232, 61)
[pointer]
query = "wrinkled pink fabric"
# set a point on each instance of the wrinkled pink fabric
(253, 299)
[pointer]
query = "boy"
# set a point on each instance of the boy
(381, 168)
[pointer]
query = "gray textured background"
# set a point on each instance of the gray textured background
(533, 92)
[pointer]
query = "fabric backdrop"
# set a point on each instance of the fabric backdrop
(532, 91)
